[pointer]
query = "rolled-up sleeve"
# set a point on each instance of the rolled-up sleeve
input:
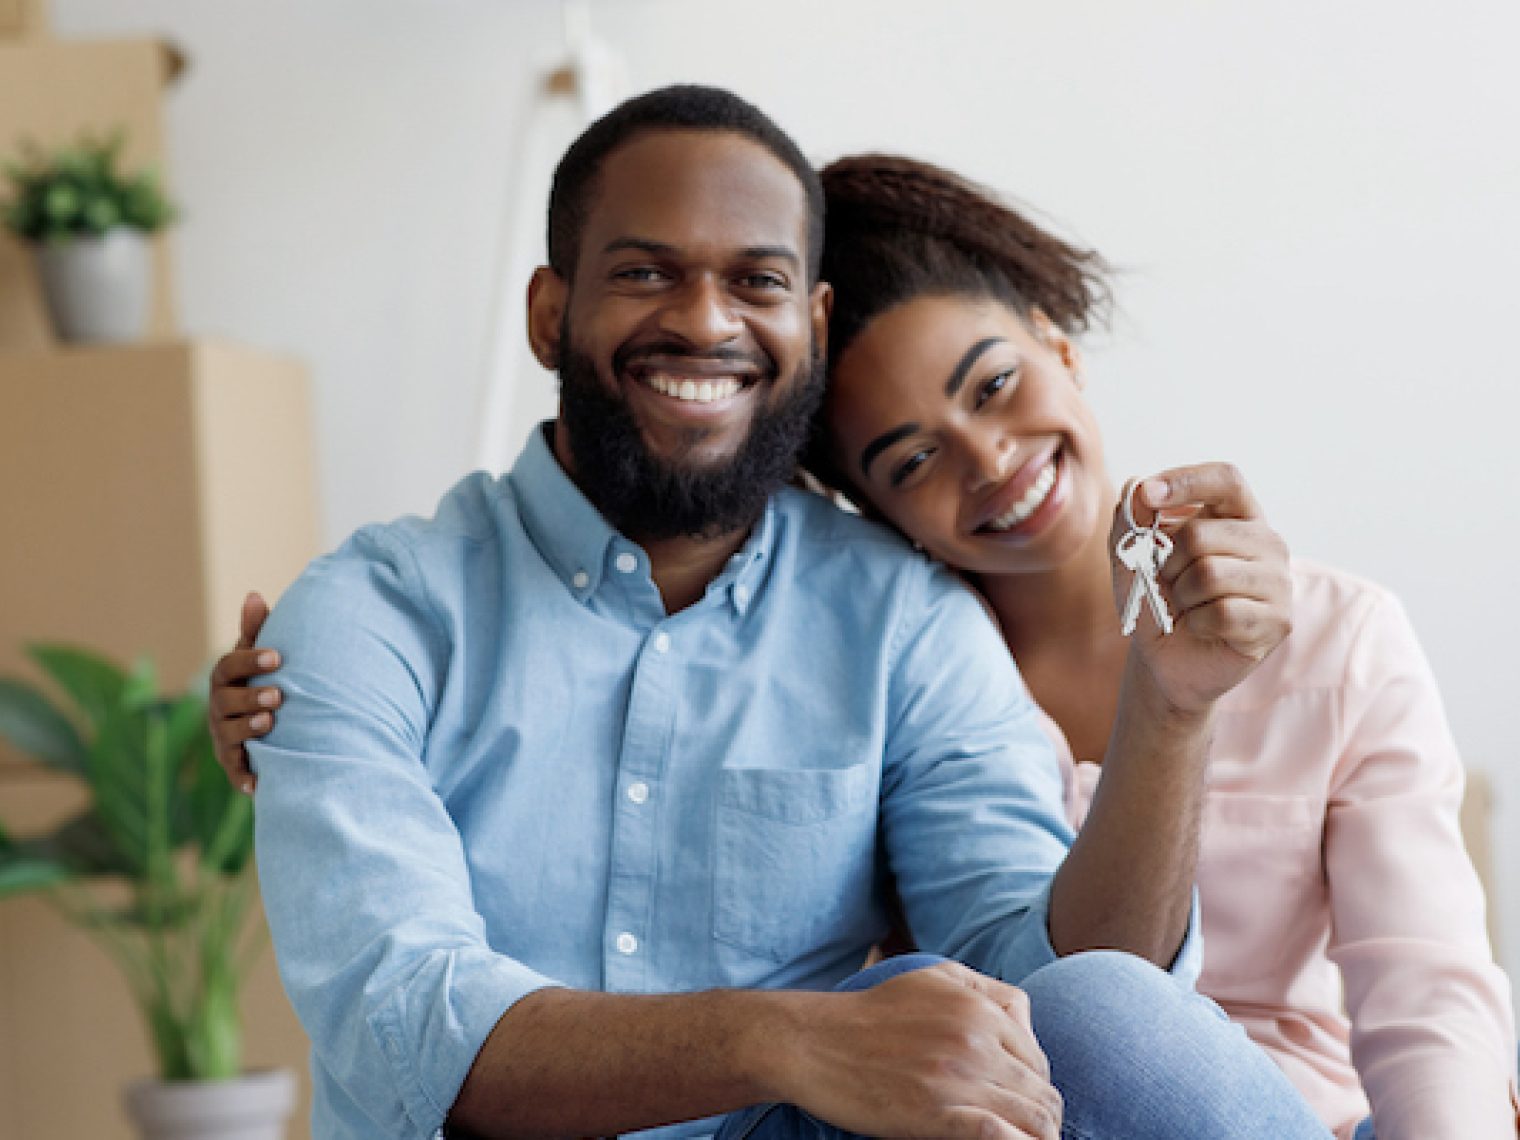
(971, 796)
(974, 803)
(366, 888)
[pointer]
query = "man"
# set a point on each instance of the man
(587, 789)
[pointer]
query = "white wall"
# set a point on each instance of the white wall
(1318, 207)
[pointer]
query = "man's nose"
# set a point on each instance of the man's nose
(701, 313)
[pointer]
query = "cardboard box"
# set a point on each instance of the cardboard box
(23, 18)
(131, 523)
(50, 92)
(131, 518)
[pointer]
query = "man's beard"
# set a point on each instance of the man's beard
(646, 496)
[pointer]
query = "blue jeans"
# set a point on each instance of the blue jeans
(1135, 1054)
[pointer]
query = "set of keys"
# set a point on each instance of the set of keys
(1143, 550)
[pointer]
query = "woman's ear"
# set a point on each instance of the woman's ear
(820, 305)
(548, 294)
(1050, 335)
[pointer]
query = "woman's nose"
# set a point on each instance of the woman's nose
(989, 457)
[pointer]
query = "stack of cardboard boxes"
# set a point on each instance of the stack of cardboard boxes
(129, 522)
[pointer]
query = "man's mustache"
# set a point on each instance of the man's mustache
(670, 351)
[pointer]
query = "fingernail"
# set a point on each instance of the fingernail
(247, 786)
(269, 659)
(1157, 491)
(268, 698)
(259, 722)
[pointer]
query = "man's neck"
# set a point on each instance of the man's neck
(682, 567)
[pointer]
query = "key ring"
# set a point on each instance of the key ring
(1129, 511)
(1129, 499)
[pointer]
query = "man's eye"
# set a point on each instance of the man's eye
(904, 470)
(762, 281)
(995, 385)
(640, 274)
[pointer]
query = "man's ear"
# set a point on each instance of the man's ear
(548, 294)
(820, 305)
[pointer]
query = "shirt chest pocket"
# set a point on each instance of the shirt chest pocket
(795, 864)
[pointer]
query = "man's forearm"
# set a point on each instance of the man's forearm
(572, 1063)
(1127, 883)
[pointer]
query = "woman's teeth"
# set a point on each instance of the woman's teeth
(1026, 506)
(702, 391)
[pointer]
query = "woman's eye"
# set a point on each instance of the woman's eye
(995, 385)
(904, 470)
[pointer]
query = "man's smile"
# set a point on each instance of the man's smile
(703, 385)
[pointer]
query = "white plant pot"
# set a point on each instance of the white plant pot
(251, 1107)
(98, 288)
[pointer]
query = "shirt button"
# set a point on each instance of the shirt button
(741, 594)
(661, 642)
(581, 580)
(638, 791)
(626, 563)
(627, 943)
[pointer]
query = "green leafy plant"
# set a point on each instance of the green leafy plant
(79, 191)
(158, 866)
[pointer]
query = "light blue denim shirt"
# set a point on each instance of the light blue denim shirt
(501, 765)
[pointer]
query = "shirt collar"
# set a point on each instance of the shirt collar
(575, 539)
(568, 531)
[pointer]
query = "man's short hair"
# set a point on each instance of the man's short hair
(681, 107)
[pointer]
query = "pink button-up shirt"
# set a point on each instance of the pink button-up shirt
(1331, 839)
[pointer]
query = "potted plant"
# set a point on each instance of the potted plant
(89, 225)
(158, 869)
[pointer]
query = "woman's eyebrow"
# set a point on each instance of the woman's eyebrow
(885, 440)
(958, 376)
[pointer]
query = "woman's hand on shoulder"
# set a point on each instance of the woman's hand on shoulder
(1227, 582)
(239, 712)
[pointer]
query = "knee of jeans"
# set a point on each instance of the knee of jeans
(888, 968)
(1108, 970)
(1090, 1001)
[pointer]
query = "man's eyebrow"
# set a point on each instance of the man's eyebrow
(766, 252)
(885, 440)
(749, 253)
(958, 376)
(644, 245)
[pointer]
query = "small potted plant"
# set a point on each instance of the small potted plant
(89, 225)
(158, 869)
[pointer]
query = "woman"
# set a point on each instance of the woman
(955, 413)
(1330, 835)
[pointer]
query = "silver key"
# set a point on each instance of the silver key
(1144, 550)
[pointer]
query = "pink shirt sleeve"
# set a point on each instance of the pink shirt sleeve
(1433, 1037)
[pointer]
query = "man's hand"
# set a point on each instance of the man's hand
(238, 712)
(938, 1052)
(942, 1051)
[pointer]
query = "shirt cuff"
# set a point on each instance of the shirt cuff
(431, 1029)
(1032, 949)
(1188, 964)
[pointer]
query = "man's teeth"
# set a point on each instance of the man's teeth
(1030, 503)
(702, 391)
